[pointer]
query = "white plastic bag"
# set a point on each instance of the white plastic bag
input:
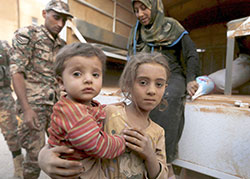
(206, 85)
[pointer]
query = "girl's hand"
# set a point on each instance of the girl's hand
(139, 142)
(57, 168)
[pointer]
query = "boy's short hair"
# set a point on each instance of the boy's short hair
(77, 49)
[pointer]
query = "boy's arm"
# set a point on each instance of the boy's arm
(84, 133)
(87, 135)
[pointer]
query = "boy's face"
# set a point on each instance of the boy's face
(82, 78)
(149, 86)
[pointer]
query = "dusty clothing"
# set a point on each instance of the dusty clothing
(8, 121)
(81, 127)
(166, 35)
(129, 164)
(34, 50)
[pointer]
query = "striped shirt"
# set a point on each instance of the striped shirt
(81, 127)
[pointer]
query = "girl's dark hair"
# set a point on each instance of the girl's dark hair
(77, 49)
(129, 73)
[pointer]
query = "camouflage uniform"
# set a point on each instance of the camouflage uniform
(34, 50)
(8, 121)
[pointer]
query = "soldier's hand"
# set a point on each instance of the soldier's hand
(31, 119)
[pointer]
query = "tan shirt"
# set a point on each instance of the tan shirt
(129, 164)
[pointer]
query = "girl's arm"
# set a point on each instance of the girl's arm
(155, 160)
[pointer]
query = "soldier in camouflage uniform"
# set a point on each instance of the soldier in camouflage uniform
(34, 50)
(8, 121)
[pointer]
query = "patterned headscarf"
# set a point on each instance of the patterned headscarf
(163, 31)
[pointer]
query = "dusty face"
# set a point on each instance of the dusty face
(54, 22)
(142, 13)
(149, 86)
(82, 78)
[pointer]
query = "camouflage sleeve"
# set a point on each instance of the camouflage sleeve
(22, 50)
(6, 48)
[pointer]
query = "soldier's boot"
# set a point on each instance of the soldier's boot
(31, 170)
(18, 166)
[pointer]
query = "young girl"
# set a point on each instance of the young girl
(156, 32)
(143, 82)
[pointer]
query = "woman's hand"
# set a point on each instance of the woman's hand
(138, 141)
(192, 87)
(55, 167)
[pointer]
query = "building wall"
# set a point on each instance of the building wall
(213, 40)
(93, 16)
(8, 19)
(9, 15)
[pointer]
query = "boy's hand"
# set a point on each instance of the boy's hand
(139, 142)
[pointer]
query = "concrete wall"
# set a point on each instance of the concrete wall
(11, 20)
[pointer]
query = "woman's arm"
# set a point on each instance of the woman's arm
(192, 61)
(50, 162)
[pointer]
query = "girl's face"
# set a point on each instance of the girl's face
(82, 78)
(149, 86)
(142, 13)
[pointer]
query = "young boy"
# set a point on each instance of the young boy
(77, 119)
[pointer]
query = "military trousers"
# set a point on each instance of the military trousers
(8, 120)
(33, 140)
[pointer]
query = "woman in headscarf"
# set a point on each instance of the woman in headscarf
(155, 32)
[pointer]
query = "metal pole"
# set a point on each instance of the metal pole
(229, 65)
(114, 17)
